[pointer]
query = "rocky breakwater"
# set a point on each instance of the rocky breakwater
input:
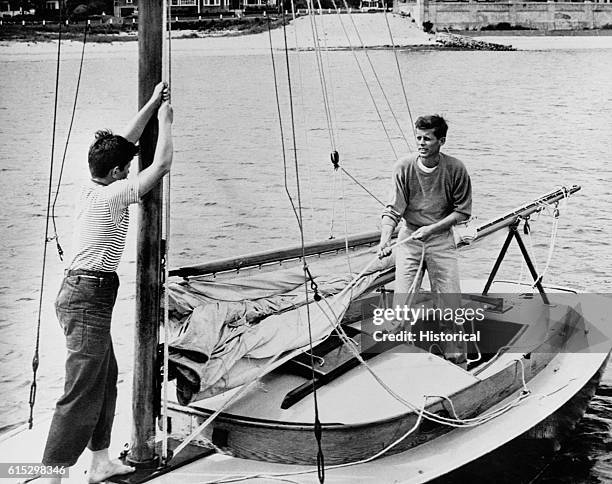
(461, 42)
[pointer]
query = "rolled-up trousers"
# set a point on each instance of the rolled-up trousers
(84, 414)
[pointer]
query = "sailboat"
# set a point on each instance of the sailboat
(398, 413)
(373, 399)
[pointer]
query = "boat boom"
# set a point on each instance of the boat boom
(367, 238)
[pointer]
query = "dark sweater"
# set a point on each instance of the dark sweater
(425, 198)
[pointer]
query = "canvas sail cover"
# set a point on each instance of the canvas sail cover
(223, 330)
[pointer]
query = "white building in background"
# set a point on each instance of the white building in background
(10, 8)
(194, 8)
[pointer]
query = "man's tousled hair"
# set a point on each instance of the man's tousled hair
(433, 121)
(109, 151)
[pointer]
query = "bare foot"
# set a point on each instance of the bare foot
(103, 471)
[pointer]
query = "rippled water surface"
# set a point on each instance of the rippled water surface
(523, 122)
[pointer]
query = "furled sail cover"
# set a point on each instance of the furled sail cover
(224, 330)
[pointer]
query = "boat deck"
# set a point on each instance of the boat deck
(351, 399)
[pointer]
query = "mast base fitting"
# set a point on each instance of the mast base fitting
(152, 463)
(152, 468)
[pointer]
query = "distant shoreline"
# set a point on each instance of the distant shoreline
(108, 29)
(534, 33)
(233, 27)
(126, 36)
(128, 32)
(251, 37)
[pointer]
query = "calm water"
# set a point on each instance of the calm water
(523, 122)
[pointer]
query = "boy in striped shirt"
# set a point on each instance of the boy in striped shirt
(84, 414)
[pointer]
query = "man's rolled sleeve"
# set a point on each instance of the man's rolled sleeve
(462, 194)
(390, 217)
(396, 206)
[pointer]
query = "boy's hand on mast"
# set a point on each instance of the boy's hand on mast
(161, 93)
(166, 93)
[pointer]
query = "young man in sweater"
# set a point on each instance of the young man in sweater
(431, 192)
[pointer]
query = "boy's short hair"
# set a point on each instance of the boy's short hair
(433, 121)
(108, 151)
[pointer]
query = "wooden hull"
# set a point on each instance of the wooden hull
(560, 424)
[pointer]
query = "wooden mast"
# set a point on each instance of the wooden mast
(148, 258)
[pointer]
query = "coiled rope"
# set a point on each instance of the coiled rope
(553, 234)
(555, 211)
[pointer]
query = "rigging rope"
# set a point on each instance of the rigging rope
(55, 237)
(282, 135)
(333, 208)
(326, 104)
(329, 78)
(321, 71)
(399, 72)
(369, 89)
(299, 216)
(50, 210)
(166, 256)
(378, 81)
(378, 113)
(329, 111)
(376, 77)
(303, 115)
(336, 163)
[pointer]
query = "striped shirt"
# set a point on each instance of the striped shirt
(102, 219)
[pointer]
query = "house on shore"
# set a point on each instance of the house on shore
(195, 8)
